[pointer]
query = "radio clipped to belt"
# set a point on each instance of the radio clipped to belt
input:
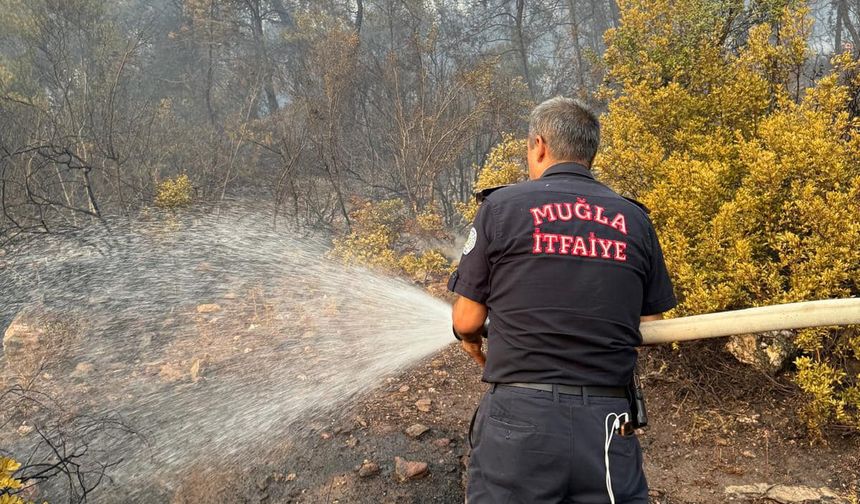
(638, 413)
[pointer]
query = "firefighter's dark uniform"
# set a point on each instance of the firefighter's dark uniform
(566, 281)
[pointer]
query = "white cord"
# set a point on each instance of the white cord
(607, 440)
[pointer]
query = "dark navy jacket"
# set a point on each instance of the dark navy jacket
(566, 267)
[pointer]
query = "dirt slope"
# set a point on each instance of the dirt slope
(692, 450)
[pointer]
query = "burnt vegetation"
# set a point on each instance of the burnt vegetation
(372, 122)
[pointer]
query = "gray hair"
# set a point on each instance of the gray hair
(570, 130)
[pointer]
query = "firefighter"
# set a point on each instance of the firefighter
(565, 269)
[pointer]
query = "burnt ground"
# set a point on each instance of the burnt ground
(700, 440)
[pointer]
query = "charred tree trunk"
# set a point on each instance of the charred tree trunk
(577, 48)
(210, 68)
(849, 25)
(614, 12)
(519, 37)
(264, 66)
(359, 15)
(284, 16)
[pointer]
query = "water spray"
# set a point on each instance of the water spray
(214, 337)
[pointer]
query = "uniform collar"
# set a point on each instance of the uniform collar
(569, 168)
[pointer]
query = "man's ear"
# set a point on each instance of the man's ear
(540, 148)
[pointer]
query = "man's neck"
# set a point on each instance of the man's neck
(547, 164)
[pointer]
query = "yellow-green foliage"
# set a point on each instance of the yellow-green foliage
(820, 380)
(9, 484)
(174, 193)
(430, 222)
(753, 182)
(506, 164)
(8, 467)
(383, 237)
(423, 267)
(371, 242)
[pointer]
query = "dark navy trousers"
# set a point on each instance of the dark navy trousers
(534, 447)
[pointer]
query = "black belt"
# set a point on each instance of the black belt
(574, 389)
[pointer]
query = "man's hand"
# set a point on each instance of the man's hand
(468, 317)
(474, 350)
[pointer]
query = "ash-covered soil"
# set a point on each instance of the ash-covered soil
(697, 444)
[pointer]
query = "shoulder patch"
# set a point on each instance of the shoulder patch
(638, 203)
(471, 241)
(480, 196)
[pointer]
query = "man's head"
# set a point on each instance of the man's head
(560, 129)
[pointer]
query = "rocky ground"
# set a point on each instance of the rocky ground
(719, 432)
(404, 442)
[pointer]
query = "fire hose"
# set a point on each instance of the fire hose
(826, 312)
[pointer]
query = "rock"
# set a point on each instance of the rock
(263, 483)
(406, 470)
(208, 308)
(82, 369)
(768, 352)
(754, 491)
(352, 442)
(416, 430)
(748, 454)
(170, 373)
(196, 370)
(291, 477)
(783, 494)
(24, 334)
(36, 339)
(25, 429)
(442, 442)
(326, 435)
(423, 404)
(404, 388)
(368, 469)
(145, 340)
(230, 295)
